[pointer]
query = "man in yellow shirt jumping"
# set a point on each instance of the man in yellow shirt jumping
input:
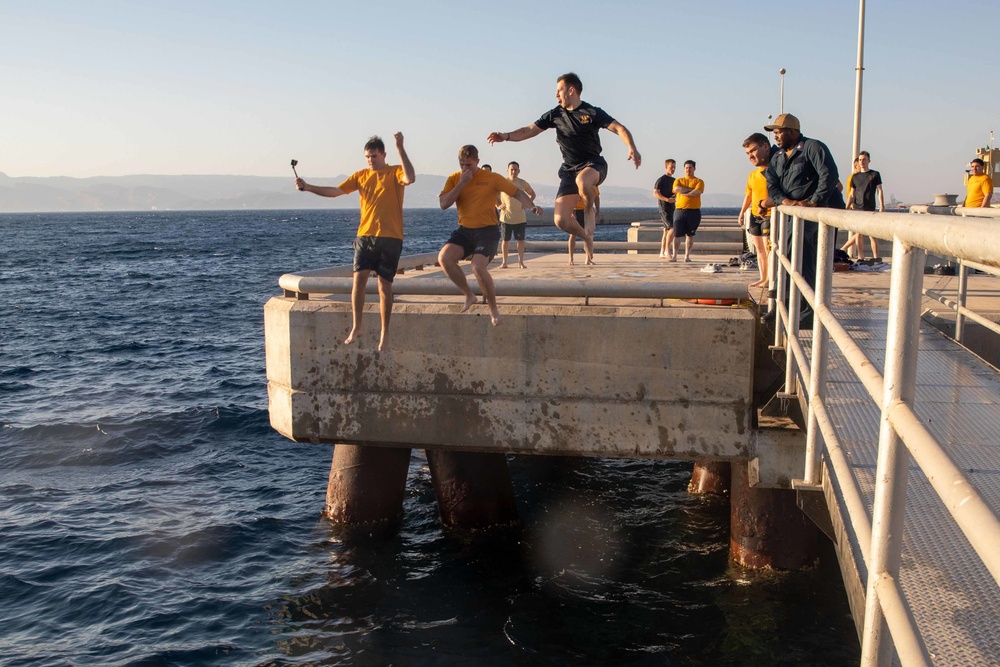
(380, 234)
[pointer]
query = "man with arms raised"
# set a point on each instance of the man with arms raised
(802, 173)
(512, 219)
(577, 124)
(474, 192)
(756, 201)
(979, 189)
(380, 234)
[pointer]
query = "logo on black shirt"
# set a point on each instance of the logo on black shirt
(584, 118)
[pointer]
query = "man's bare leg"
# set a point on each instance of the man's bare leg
(874, 246)
(663, 243)
(503, 254)
(357, 304)
(761, 245)
(586, 183)
(520, 254)
(688, 244)
(481, 269)
(566, 221)
(571, 248)
(448, 258)
(385, 308)
(671, 245)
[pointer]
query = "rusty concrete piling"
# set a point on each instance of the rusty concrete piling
(709, 478)
(767, 529)
(473, 489)
(367, 485)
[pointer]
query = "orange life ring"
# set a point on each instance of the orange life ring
(715, 302)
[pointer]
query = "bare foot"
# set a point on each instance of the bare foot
(495, 316)
(381, 342)
(590, 262)
(351, 337)
(503, 266)
(571, 260)
(756, 284)
(686, 258)
(672, 258)
(470, 301)
(522, 265)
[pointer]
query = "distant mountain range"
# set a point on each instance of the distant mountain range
(212, 193)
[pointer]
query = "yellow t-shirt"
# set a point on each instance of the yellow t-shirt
(579, 204)
(381, 194)
(976, 190)
(757, 189)
(477, 202)
(683, 201)
(513, 213)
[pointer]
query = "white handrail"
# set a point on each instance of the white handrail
(888, 620)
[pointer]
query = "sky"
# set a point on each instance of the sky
(101, 88)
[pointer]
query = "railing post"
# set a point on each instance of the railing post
(820, 339)
(963, 284)
(902, 338)
(792, 325)
(781, 278)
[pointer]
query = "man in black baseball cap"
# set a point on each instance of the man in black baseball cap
(802, 173)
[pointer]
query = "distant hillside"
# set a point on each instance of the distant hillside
(208, 193)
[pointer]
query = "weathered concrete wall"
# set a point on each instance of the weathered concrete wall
(593, 381)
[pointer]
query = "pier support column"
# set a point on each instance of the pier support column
(367, 484)
(709, 478)
(767, 529)
(473, 489)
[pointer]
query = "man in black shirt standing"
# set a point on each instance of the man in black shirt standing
(577, 124)
(864, 186)
(663, 190)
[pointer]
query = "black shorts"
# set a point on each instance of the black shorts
(759, 226)
(667, 216)
(578, 214)
(379, 254)
(517, 230)
(478, 241)
(568, 172)
(686, 221)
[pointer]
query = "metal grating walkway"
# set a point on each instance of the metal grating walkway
(955, 601)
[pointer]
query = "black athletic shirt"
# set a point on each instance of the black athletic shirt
(576, 131)
(665, 186)
(865, 183)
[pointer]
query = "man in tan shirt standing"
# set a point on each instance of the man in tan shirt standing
(513, 221)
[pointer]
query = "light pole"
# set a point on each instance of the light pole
(857, 87)
(781, 105)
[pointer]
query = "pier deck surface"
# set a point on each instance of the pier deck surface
(955, 601)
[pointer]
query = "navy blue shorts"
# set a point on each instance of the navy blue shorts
(379, 254)
(667, 216)
(568, 172)
(686, 221)
(517, 230)
(759, 226)
(477, 241)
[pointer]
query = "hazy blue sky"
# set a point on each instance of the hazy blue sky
(112, 88)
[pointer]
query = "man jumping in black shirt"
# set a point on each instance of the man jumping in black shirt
(577, 124)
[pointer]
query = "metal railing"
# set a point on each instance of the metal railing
(888, 619)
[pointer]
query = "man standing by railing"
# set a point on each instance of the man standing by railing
(979, 189)
(802, 173)
(758, 150)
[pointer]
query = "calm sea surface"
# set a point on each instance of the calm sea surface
(150, 516)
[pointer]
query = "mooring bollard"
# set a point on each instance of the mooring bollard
(709, 478)
(767, 529)
(367, 485)
(473, 489)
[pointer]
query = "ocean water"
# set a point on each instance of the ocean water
(150, 516)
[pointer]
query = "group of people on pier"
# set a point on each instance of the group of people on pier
(797, 171)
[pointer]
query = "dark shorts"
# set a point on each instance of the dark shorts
(686, 221)
(478, 241)
(379, 254)
(568, 172)
(517, 230)
(667, 216)
(759, 226)
(578, 214)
